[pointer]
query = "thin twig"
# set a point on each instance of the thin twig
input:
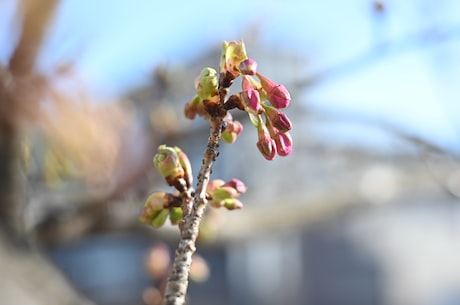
(176, 288)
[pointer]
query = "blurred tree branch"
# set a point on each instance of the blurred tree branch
(27, 276)
(36, 17)
(14, 79)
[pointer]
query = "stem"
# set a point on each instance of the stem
(176, 288)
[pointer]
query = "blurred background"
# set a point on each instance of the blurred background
(365, 210)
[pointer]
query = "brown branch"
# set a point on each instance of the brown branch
(13, 83)
(37, 16)
(176, 287)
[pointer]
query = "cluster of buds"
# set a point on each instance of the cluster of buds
(260, 97)
(158, 207)
(206, 101)
(174, 166)
(224, 194)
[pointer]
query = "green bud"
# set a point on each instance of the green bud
(233, 53)
(232, 204)
(223, 63)
(167, 163)
(216, 203)
(214, 185)
(152, 206)
(160, 218)
(208, 83)
(186, 166)
(224, 192)
(175, 215)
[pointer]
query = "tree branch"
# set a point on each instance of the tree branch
(176, 288)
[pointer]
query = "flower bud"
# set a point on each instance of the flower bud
(160, 218)
(232, 131)
(208, 83)
(167, 163)
(229, 137)
(216, 203)
(224, 192)
(237, 184)
(191, 108)
(284, 144)
(250, 97)
(232, 204)
(233, 53)
(277, 94)
(214, 185)
(278, 119)
(248, 66)
(265, 143)
(152, 207)
(175, 215)
(186, 166)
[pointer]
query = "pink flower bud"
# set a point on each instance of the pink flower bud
(232, 131)
(278, 119)
(250, 97)
(284, 144)
(265, 144)
(237, 127)
(277, 94)
(214, 185)
(248, 66)
(237, 184)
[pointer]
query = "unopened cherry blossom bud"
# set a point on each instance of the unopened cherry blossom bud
(284, 144)
(224, 192)
(237, 184)
(191, 108)
(216, 203)
(265, 143)
(207, 87)
(167, 163)
(175, 215)
(232, 131)
(233, 53)
(160, 218)
(248, 66)
(232, 204)
(153, 211)
(277, 94)
(250, 97)
(278, 119)
(186, 166)
(214, 185)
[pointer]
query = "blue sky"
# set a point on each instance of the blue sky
(116, 45)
